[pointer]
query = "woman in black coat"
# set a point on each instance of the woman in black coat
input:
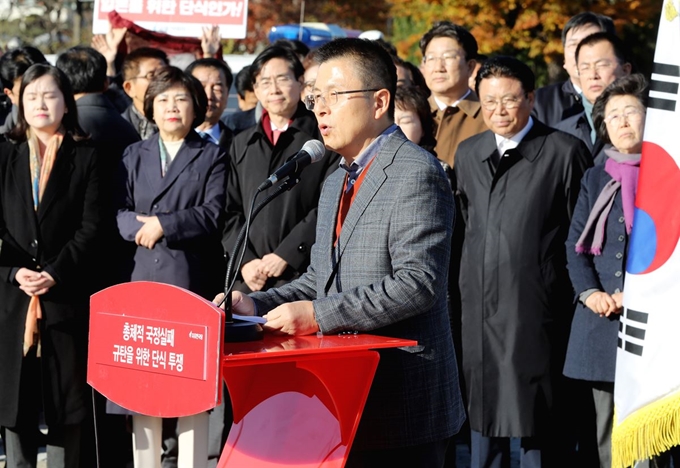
(596, 247)
(51, 217)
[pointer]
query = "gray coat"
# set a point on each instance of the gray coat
(515, 291)
(189, 202)
(591, 354)
(388, 277)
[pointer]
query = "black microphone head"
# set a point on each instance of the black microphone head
(315, 149)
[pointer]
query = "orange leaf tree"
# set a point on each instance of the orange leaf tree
(529, 29)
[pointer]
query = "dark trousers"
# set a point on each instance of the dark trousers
(23, 440)
(63, 446)
(430, 455)
(494, 452)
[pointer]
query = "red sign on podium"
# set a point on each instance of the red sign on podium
(155, 349)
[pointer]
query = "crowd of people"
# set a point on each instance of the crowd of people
(456, 205)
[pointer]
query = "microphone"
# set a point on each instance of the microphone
(311, 152)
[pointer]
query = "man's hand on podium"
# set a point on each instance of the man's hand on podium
(241, 304)
(293, 318)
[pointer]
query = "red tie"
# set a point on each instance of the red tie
(345, 203)
(275, 135)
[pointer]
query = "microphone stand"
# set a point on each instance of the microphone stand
(239, 331)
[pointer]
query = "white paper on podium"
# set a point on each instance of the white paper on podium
(249, 318)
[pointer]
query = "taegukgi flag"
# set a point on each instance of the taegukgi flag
(647, 388)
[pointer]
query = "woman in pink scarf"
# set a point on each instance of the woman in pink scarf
(596, 247)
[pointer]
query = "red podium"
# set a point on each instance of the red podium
(297, 401)
(155, 349)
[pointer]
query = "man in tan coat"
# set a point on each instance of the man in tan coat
(449, 52)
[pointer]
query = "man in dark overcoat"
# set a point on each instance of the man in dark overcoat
(518, 184)
(282, 235)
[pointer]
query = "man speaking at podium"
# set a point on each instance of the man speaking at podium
(380, 261)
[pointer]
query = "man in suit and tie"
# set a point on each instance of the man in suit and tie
(216, 78)
(562, 100)
(380, 261)
(517, 184)
(449, 52)
(601, 58)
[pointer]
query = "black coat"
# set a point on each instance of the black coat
(515, 291)
(226, 137)
(592, 343)
(109, 132)
(556, 102)
(63, 239)
(286, 226)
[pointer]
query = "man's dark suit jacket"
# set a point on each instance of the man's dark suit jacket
(578, 126)
(556, 102)
(111, 134)
(239, 121)
(226, 137)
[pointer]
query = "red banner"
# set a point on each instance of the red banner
(176, 17)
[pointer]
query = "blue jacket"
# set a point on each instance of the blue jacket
(591, 354)
(189, 202)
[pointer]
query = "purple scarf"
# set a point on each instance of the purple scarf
(624, 170)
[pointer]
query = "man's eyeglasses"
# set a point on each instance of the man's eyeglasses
(508, 102)
(630, 114)
(598, 66)
(449, 58)
(283, 81)
(149, 76)
(330, 98)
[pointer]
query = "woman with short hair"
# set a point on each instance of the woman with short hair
(597, 245)
(171, 203)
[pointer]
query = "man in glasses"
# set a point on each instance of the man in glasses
(282, 235)
(517, 185)
(448, 61)
(380, 261)
(139, 67)
(601, 58)
(559, 101)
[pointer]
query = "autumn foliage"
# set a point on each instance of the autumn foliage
(534, 26)
(530, 29)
